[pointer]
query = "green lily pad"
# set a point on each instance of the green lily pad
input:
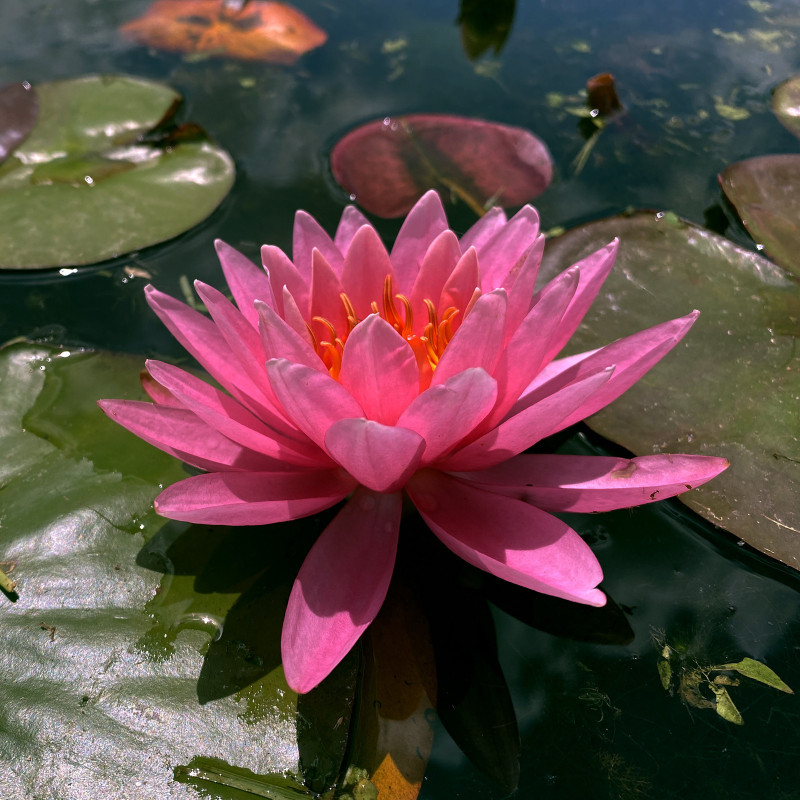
(116, 675)
(91, 181)
(766, 193)
(786, 104)
(730, 388)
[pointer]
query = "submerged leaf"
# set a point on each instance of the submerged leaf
(786, 104)
(388, 164)
(751, 668)
(19, 108)
(725, 706)
(484, 24)
(257, 31)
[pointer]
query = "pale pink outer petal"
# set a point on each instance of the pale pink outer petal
(523, 430)
(366, 266)
(280, 340)
(484, 230)
(325, 300)
(422, 225)
(253, 498)
(594, 269)
(352, 219)
(246, 281)
(631, 356)
(379, 369)
(233, 420)
(499, 255)
(312, 400)
(381, 457)
(445, 414)
(437, 265)
(588, 484)
(340, 587)
(307, 236)
(519, 284)
(182, 434)
(479, 340)
(508, 538)
(283, 273)
(294, 317)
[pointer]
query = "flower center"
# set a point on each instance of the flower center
(427, 346)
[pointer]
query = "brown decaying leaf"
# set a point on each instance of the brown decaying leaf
(601, 94)
(261, 31)
(19, 110)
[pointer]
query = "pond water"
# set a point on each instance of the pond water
(695, 80)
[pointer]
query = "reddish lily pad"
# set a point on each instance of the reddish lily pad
(786, 104)
(88, 185)
(19, 108)
(766, 194)
(388, 164)
(258, 31)
(731, 387)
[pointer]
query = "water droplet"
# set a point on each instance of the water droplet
(89, 180)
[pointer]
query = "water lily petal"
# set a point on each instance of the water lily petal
(523, 430)
(445, 414)
(438, 264)
(283, 273)
(340, 587)
(307, 236)
(381, 457)
(501, 253)
(379, 369)
(478, 341)
(352, 219)
(325, 301)
(160, 395)
(279, 340)
(484, 230)
(460, 285)
(519, 284)
(366, 266)
(508, 538)
(246, 281)
(312, 400)
(253, 498)
(594, 483)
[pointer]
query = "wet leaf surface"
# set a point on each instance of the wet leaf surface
(260, 31)
(388, 164)
(766, 194)
(731, 388)
(82, 188)
(786, 104)
(19, 108)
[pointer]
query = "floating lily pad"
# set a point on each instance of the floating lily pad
(19, 108)
(88, 184)
(731, 388)
(103, 656)
(766, 193)
(786, 104)
(388, 164)
(255, 31)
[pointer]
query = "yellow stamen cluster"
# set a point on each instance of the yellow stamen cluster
(427, 346)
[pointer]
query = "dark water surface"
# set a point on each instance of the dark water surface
(695, 80)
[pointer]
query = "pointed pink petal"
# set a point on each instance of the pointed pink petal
(437, 265)
(233, 420)
(381, 457)
(508, 538)
(523, 430)
(340, 587)
(307, 236)
(246, 281)
(478, 341)
(253, 498)
(484, 230)
(352, 219)
(498, 256)
(379, 369)
(461, 285)
(279, 340)
(594, 270)
(424, 223)
(283, 273)
(594, 483)
(157, 393)
(294, 318)
(631, 357)
(325, 298)
(312, 400)
(519, 284)
(182, 434)
(445, 414)
(366, 266)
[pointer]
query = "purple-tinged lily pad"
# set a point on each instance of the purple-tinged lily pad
(19, 108)
(388, 164)
(92, 182)
(730, 388)
(766, 194)
(786, 104)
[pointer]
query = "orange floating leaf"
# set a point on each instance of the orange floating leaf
(261, 31)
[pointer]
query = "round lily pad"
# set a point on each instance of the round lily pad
(388, 164)
(730, 388)
(101, 175)
(786, 104)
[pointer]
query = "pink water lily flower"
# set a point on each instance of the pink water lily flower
(351, 374)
